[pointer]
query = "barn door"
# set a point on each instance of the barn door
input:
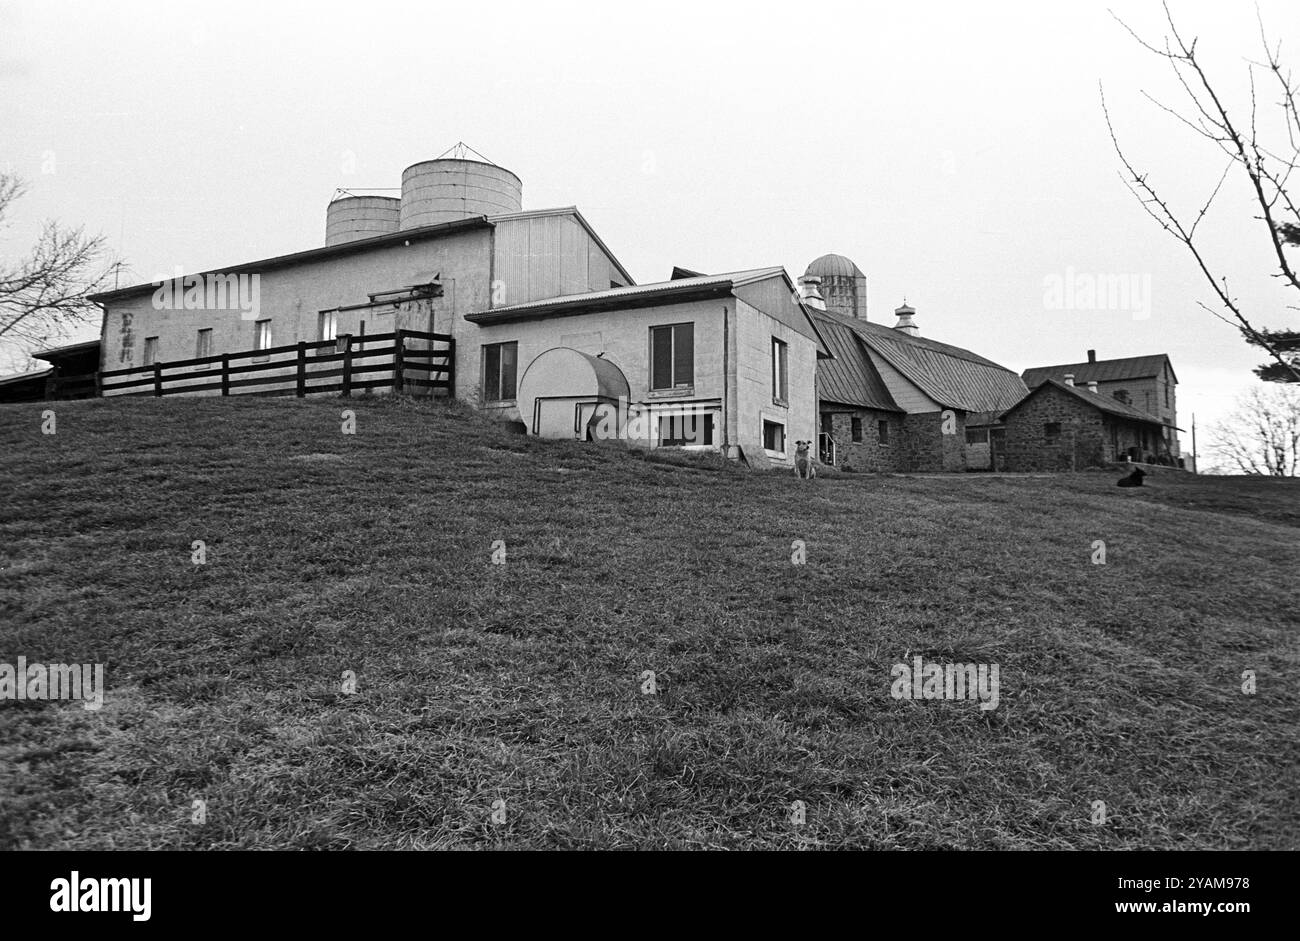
(997, 447)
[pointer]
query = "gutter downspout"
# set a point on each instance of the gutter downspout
(726, 380)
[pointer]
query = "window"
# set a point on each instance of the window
(1166, 395)
(672, 357)
(682, 430)
(500, 362)
(882, 428)
(856, 428)
(1051, 429)
(977, 436)
(328, 326)
(203, 344)
(261, 339)
(150, 350)
(1121, 395)
(780, 371)
(774, 436)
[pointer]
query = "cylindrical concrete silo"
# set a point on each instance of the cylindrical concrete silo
(449, 189)
(361, 217)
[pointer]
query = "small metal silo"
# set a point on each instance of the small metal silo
(361, 217)
(448, 189)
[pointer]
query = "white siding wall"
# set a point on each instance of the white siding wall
(292, 297)
(904, 392)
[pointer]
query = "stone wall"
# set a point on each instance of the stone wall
(1084, 439)
(925, 446)
(871, 454)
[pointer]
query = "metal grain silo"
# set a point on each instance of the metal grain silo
(448, 189)
(361, 217)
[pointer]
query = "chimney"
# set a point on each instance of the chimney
(1092, 385)
(810, 292)
(1092, 356)
(905, 315)
(1069, 378)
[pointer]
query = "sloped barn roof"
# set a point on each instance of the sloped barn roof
(849, 378)
(952, 376)
(1105, 370)
(1097, 400)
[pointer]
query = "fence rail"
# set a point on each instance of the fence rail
(299, 373)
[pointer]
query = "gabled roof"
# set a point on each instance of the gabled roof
(643, 295)
(1103, 370)
(70, 350)
(378, 241)
(952, 376)
(1098, 400)
(849, 378)
(566, 211)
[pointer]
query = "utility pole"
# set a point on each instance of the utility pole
(1196, 458)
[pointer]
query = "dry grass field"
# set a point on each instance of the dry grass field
(521, 682)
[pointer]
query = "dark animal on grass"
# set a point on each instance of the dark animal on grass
(1132, 480)
(805, 468)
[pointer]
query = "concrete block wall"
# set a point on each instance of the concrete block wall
(622, 335)
(754, 401)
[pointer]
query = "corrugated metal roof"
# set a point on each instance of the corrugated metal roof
(849, 378)
(950, 375)
(1097, 400)
(641, 293)
(1103, 370)
(658, 287)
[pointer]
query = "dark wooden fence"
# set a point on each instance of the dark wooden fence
(71, 387)
(344, 366)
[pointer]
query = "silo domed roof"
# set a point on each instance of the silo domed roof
(832, 265)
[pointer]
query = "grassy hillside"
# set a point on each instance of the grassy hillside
(520, 682)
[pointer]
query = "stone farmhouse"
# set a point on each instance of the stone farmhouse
(1147, 383)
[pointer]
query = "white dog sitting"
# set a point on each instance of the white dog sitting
(805, 465)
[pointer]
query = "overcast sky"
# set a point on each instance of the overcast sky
(956, 151)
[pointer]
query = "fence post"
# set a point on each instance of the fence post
(225, 373)
(347, 365)
(398, 360)
(302, 369)
(451, 369)
(157, 379)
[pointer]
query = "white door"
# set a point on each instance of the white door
(554, 418)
